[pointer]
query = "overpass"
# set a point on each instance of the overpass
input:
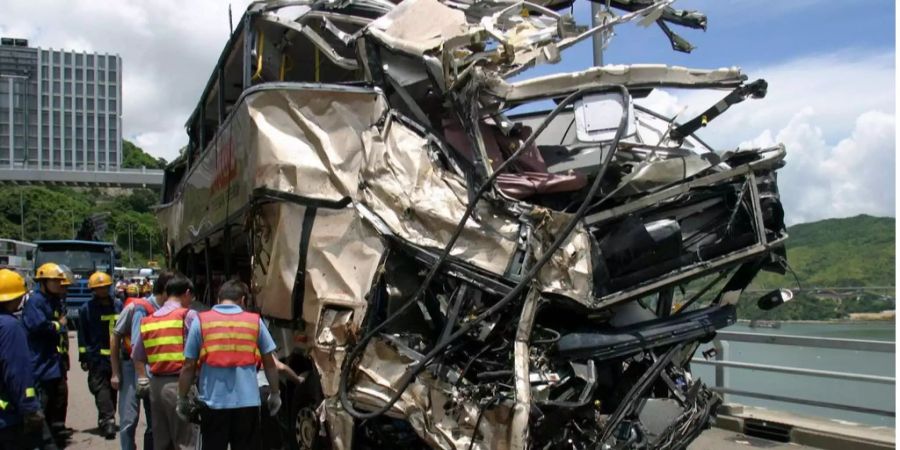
(125, 178)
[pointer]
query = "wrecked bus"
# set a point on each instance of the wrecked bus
(448, 271)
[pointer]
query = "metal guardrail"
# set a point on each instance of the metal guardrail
(721, 363)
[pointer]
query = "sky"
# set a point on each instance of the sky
(830, 67)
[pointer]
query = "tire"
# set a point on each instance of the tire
(306, 430)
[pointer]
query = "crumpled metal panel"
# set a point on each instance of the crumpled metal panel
(443, 422)
(423, 204)
(341, 264)
(569, 271)
(301, 139)
(277, 255)
(308, 142)
(417, 26)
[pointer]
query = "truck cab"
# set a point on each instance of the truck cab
(84, 258)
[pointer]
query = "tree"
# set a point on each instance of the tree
(133, 157)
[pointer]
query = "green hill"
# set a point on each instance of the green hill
(54, 212)
(834, 253)
(134, 157)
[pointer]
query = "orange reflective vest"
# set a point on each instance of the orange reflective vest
(163, 338)
(148, 307)
(229, 340)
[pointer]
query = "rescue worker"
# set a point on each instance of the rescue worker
(123, 375)
(228, 342)
(45, 322)
(120, 290)
(63, 433)
(146, 289)
(21, 420)
(97, 317)
(132, 291)
(159, 349)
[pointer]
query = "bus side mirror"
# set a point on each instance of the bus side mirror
(774, 299)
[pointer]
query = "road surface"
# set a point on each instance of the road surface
(82, 415)
(83, 419)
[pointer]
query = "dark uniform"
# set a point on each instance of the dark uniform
(17, 392)
(97, 322)
(40, 317)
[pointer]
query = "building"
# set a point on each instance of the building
(59, 109)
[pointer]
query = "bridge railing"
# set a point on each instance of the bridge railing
(722, 363)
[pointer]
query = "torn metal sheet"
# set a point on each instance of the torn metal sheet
(423, 203)
(418, 26)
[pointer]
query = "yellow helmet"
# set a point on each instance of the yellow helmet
(131, 290)
(70, 277)
(99, 279)
(12, 285)
(49, 271)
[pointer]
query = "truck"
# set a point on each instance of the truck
(455, 255)
(84, 258)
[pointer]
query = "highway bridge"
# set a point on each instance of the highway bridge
(125, 178)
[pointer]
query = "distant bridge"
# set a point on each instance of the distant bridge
(126, 178)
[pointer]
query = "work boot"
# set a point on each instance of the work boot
(109, 430)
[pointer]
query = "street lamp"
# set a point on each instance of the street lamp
(72, 216)
(130, 247)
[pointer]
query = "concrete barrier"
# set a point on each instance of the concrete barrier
(810, 431)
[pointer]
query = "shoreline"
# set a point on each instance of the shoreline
(835, 321)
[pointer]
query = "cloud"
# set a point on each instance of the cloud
(168, 51)
(834, 112)
(835, 115)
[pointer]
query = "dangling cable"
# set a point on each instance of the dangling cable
(409, 375)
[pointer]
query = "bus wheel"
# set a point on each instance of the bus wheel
(308, 431)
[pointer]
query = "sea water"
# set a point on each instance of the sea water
(858, 393)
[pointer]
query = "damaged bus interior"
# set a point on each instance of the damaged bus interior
(457, 256)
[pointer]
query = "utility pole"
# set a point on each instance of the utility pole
(21, 210)
(130, 247)
(597, 39)
(230, 26)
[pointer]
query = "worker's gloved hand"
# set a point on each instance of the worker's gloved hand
(84, 366)
(143, 388)
(183, 409)
(34, 422)
(274, 402)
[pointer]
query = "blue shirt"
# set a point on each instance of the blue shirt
(40, 319)
(97, 321)
(227, 387)
(16, 377)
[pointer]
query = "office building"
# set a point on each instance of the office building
(60, 110)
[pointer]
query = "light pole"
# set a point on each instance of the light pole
(150, 244)
(21, 209)
(130, 247)
(72, 215)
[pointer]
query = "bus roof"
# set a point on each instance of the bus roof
(17, 242)
(74, 241)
